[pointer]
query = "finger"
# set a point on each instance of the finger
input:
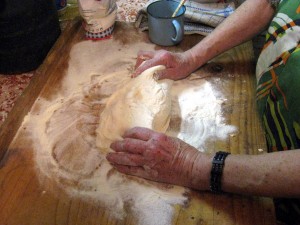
(137, 171)
(129, 145)
(122, 158)
(135, 146)
(143, 56)
(135, 74)
(140, 133)
(146, 65)
(141, 68)
(139, 62)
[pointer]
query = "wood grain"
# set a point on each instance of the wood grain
(49, 68)
(26, 200)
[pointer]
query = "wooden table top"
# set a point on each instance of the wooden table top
(25, 198)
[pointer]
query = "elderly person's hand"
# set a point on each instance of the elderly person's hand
(158, 157)
(178, 65)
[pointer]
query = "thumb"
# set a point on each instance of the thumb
(170, 73)
(145, 65)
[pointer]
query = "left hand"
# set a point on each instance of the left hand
(158, 157)
(178, 65)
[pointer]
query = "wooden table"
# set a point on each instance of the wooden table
(23, 198)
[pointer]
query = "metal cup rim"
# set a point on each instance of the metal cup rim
(160, 17)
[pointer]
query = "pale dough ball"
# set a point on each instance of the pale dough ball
(143, 101)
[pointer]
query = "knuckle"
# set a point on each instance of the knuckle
(160, 137)
(152, 148)
(126, 143)
(134, 160)
(165, 55)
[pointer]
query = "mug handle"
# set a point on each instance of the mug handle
(178, 30)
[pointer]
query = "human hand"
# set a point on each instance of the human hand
(178, 65)
(158, 157)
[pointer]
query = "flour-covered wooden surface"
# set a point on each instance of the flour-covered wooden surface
(64, 186)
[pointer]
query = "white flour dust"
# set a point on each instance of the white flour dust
(63, 130)
(198, 106)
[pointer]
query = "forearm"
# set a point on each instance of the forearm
(270, 174)
(248, 20)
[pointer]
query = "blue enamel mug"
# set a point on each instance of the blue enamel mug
(164, 29)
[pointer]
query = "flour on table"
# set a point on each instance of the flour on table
(142, 102)
(64, 132)
(198, 105)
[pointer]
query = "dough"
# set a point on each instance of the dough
(143, 101)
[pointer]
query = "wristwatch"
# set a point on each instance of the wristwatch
(217, 171)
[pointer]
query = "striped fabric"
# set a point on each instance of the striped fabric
(199, 18)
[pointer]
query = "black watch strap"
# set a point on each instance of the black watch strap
(217, 171)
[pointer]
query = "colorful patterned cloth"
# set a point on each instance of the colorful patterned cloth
(278, 79)
(278, 96)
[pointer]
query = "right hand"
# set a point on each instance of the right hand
(178, 65)
(158, 157)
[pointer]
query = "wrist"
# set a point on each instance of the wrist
(194, 61)
(200, 174)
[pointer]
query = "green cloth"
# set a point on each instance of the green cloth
(278, 79)
(278, 92)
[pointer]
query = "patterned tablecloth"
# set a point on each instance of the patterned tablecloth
(12, 86)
